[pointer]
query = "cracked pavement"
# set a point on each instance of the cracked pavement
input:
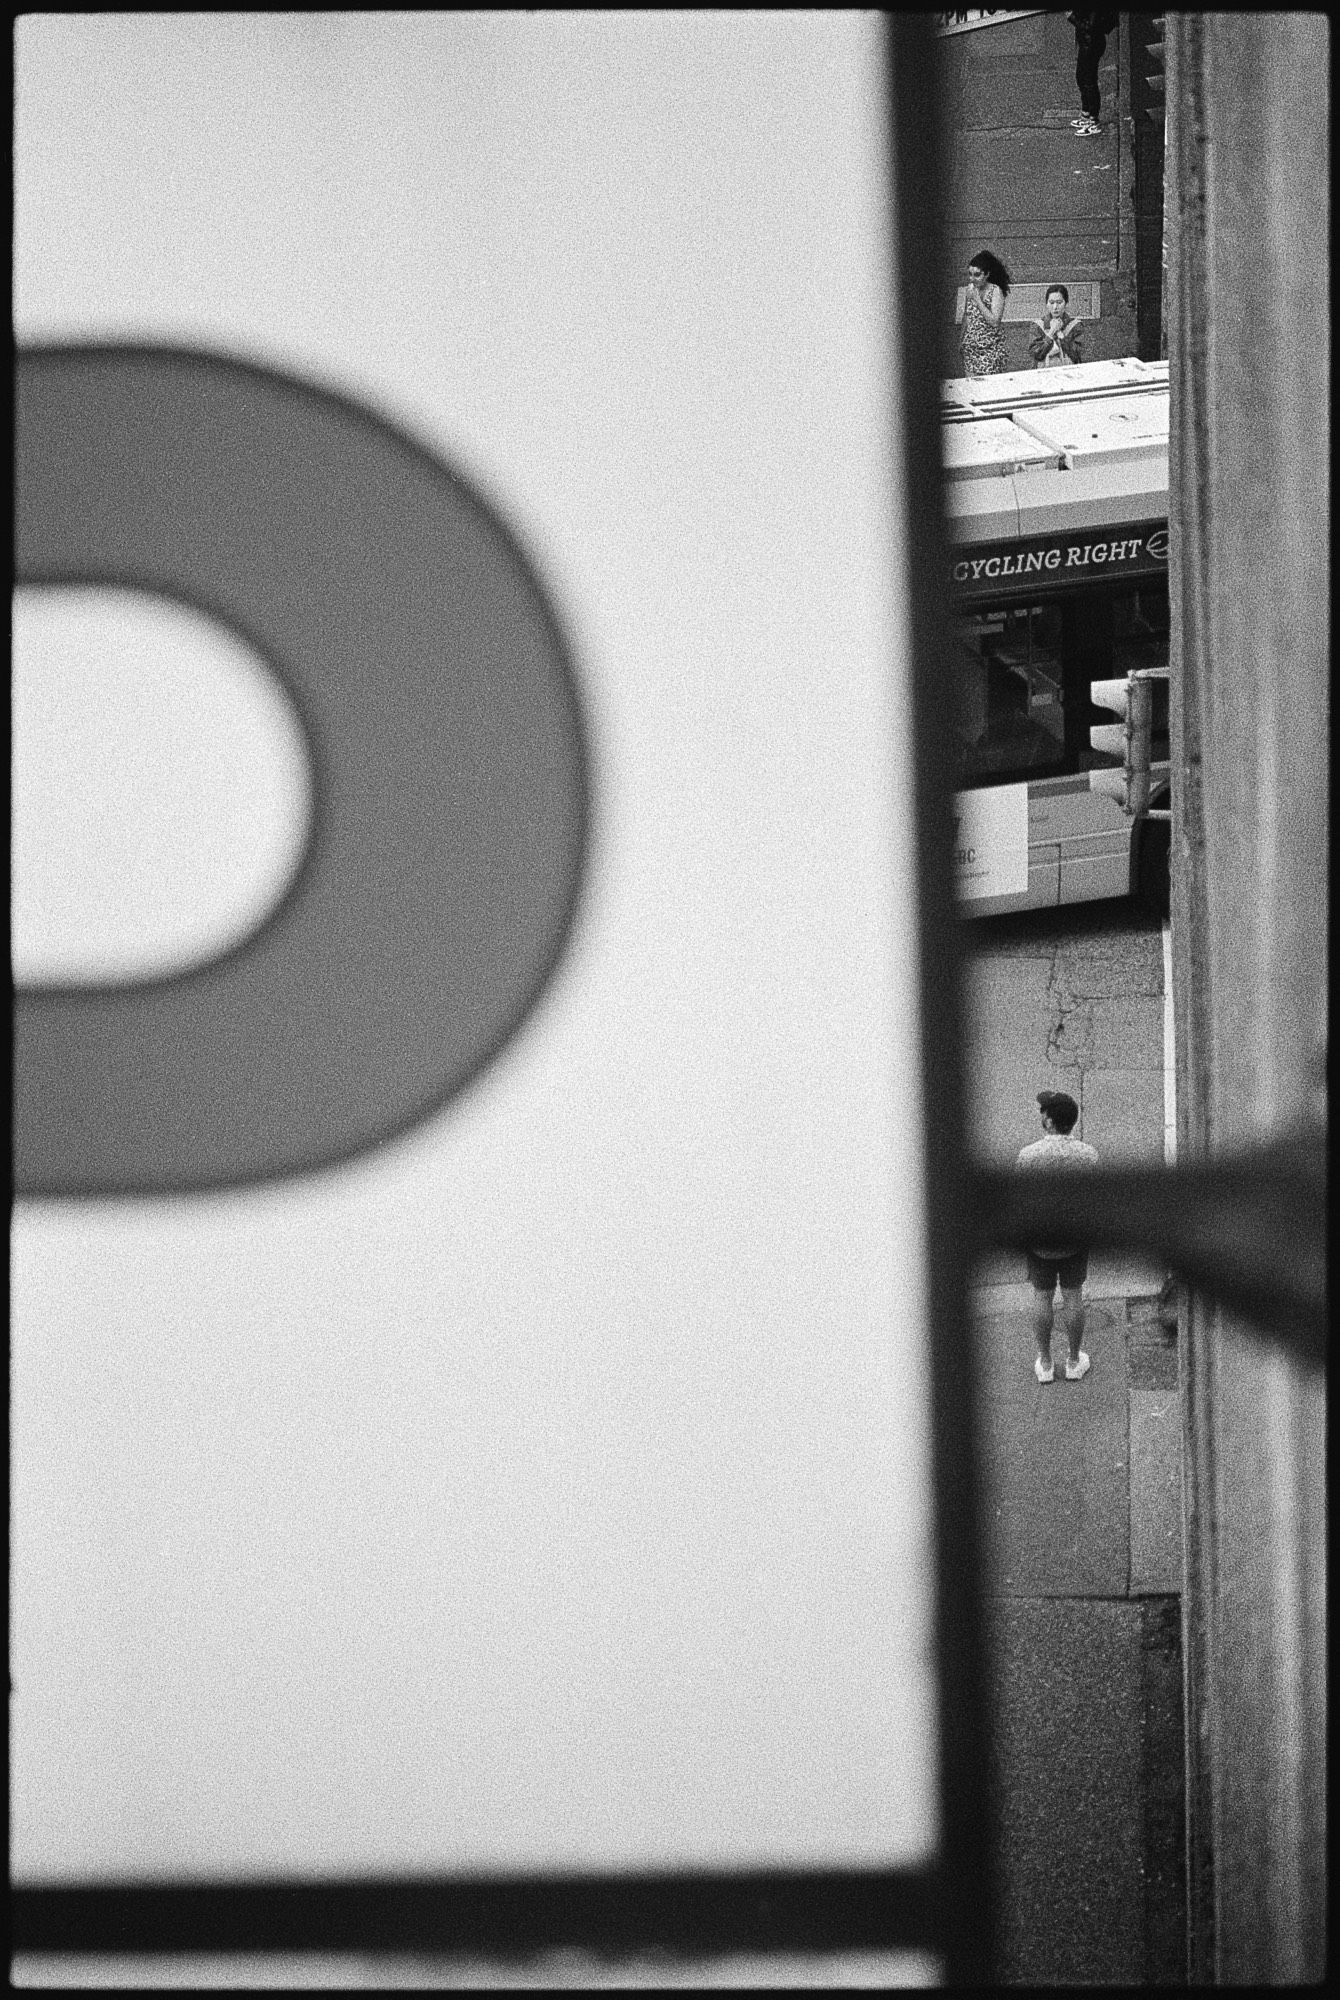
(1077, 1006)
(1081, 1486)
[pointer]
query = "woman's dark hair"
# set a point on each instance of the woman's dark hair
(986, 261)
(1056, 288)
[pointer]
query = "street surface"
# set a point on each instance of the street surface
(1081, 1480)
(1053, 207)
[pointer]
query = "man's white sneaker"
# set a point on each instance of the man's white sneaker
(1047, 1374)
(1088, 130)
(1075, 1371)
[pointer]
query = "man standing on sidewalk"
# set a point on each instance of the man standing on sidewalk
(1058, 1264)
(1091, 33)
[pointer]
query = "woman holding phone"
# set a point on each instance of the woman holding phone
(983, 309)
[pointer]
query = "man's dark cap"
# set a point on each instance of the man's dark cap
(1059, 1106)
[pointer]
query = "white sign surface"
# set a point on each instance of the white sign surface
(550, 1487)
(991, 842)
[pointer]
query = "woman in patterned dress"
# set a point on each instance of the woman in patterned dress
(983, 305)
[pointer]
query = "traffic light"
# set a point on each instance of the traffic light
(1139, 701)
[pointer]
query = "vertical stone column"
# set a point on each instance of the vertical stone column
(1248, 342)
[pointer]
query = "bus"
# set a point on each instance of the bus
(1056, 486)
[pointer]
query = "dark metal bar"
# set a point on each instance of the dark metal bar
(613, 1917)
(919, 180)
(1249, 1229)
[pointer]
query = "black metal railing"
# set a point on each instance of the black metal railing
(1249, 1229)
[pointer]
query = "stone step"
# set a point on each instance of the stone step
(1026, 301)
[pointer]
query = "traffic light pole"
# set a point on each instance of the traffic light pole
(1132, 699)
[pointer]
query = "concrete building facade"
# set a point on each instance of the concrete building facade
(1248, 334)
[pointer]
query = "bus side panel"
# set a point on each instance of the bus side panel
(1093, 871)
(1043, 880)
(1095, 841)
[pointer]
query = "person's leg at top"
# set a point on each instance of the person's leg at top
(1088, 55)
(1072, 1318)
(1042, 1277)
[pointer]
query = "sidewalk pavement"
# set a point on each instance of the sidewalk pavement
(1083, 1478)
(1052, 1013)
(1083, 1507)
(1052, 206)
(1081, 1481)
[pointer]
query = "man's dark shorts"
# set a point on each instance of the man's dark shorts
(1043, 1272)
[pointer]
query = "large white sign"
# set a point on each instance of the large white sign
(991, 842)
(542, 1484)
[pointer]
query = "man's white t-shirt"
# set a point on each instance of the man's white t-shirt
(1057, 1149)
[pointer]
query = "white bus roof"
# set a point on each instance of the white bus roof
(989, 445)
(1098, 429)
(994, 395)
(1043, 450)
